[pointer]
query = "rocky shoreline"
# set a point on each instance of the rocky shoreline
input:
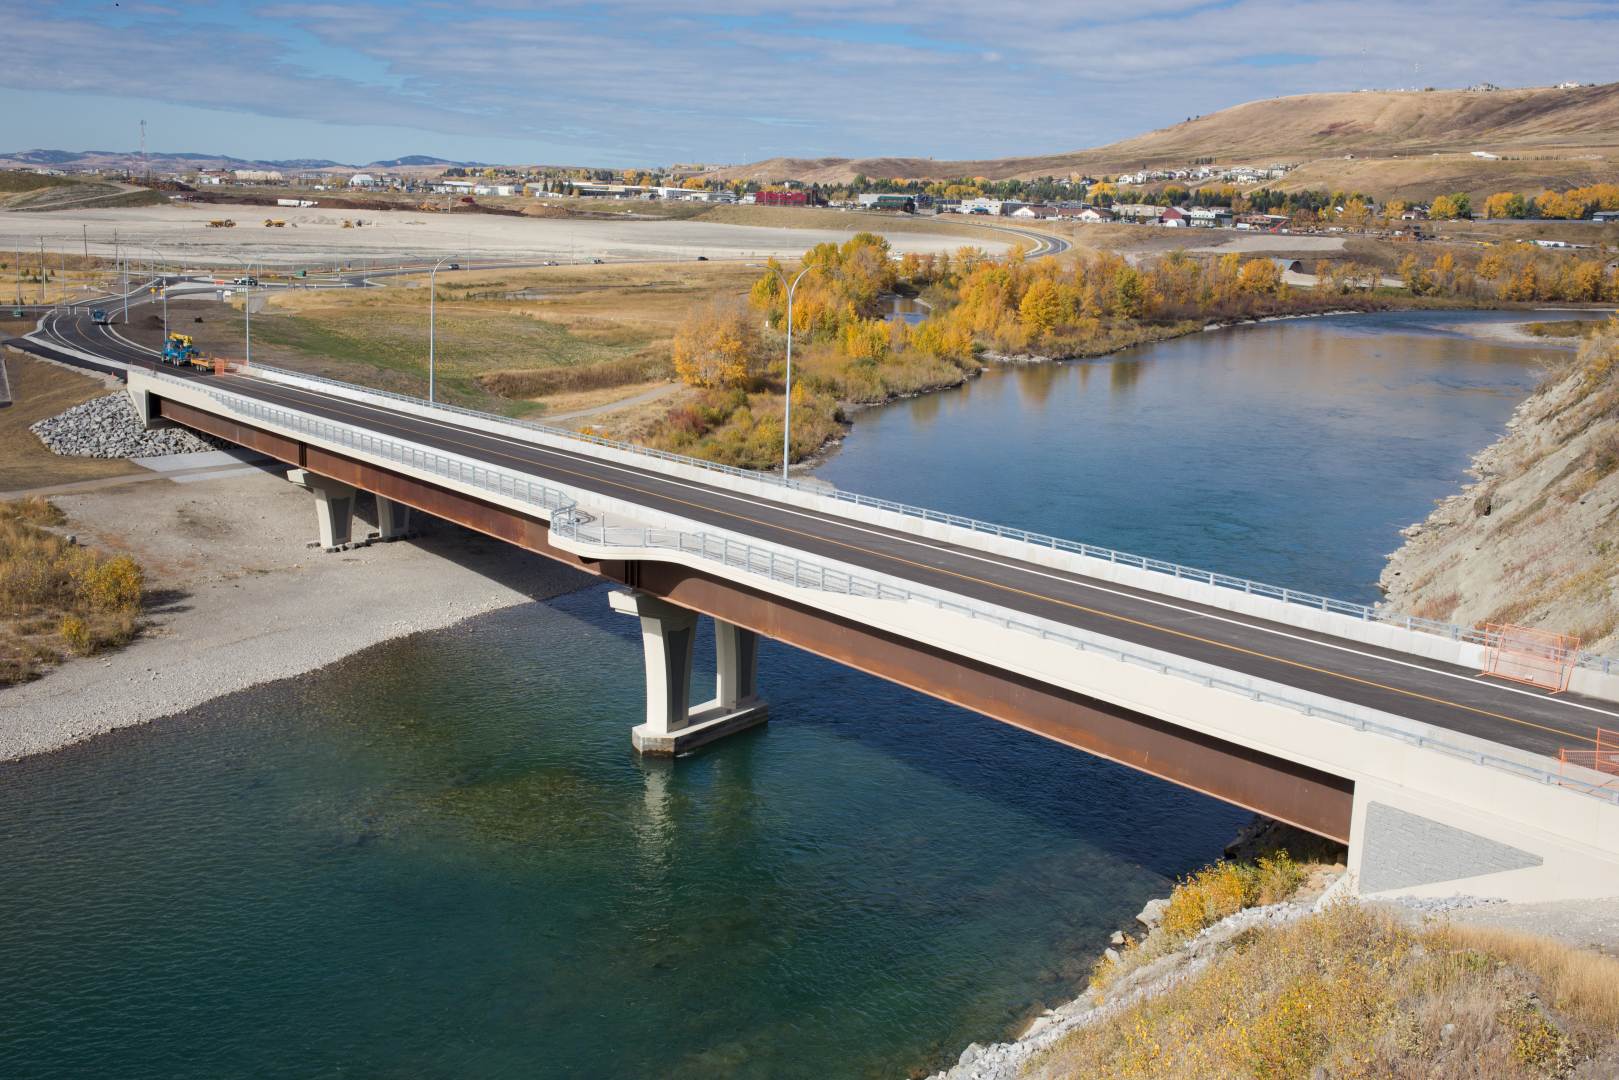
(1528, 540)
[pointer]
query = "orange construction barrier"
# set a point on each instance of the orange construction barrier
(1604, 759)
(1537, 657)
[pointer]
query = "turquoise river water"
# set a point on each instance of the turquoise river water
(441, 858)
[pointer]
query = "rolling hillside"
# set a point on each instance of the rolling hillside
(1576, 130)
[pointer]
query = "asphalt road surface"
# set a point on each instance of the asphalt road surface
(1440, 694)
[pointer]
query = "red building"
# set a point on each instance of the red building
(782, 198)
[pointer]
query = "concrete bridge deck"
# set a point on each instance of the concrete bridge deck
(1379, 735)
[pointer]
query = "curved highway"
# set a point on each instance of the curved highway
(1440, 694)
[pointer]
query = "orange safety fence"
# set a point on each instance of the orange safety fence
(1604, 759)
(1537, 657)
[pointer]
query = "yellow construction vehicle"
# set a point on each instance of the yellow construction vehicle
(222, 223)
(274, 223)
(347, 224)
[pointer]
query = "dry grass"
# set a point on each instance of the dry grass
(1353, 992)
(41, 389)
(1303, 127)
(58, 598)
(506, 339)
(1201, 900)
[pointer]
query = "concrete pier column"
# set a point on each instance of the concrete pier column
(668, 634)
(334, 507)
(393, 519)
(736, 653)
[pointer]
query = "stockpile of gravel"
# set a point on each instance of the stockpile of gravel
(108, 427)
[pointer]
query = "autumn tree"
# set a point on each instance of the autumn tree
(718, 346)
(1506, 204)
(1260, 277)
(1041, 309)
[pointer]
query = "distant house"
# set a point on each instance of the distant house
(1605, 215)
(782, 198)
(981, 206)
(1093, 214)
(1138, 212)
(884, 201)
(1175, 218)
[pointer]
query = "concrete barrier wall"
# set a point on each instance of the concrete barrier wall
(1382, 635)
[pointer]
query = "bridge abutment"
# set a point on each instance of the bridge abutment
(668, 635)
(334, 507)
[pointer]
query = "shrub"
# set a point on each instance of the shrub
(76, 632)
(113, 585)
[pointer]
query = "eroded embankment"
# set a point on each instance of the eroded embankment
(1532, 540)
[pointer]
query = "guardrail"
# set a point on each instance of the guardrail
(568, 522)
(1364, 612)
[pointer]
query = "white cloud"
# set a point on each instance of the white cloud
(633, 80)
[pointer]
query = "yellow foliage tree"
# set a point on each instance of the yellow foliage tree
(1042, 308)
(1259, 277)
(718, 346)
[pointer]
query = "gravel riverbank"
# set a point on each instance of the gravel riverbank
(235, 598)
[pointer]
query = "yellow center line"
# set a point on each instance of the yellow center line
(1100, 613)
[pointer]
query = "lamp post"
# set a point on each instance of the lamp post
(787, 416)
(247, 303)
(163, 287)
(432, 295)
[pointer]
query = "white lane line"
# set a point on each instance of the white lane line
(1023, 568)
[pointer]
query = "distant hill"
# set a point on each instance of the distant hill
(1579, 124)
(168, 162)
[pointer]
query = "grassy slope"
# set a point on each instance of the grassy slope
(1300, 129)
(1354, 992)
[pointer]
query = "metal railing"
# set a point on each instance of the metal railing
(568, 522)
(1314, 601)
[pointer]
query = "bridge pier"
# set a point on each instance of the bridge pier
(393, 519)
(668, 633)
(334, 507)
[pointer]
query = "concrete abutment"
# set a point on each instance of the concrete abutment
(668, 635)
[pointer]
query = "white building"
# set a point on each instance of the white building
(362, 179)
(981, 205)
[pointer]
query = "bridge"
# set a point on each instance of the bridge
(1361, 726)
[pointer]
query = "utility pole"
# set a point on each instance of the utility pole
(42, 270)
(85, 233)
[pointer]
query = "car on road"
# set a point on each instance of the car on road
(248, 281)
(453, 266)
(702, 258)
(598, 262)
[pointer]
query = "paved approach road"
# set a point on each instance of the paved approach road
(1440, 694)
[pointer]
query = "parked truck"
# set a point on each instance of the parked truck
(180, 351)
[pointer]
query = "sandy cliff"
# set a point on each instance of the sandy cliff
(1535, 539)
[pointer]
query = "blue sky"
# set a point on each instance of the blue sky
(641, 83)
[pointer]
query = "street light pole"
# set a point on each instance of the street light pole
(432, 295)
(247, 304)
(163, 287)
(787, 417)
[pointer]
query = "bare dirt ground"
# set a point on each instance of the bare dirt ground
(315, 237)
(235, 598)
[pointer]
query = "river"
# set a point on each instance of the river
(440, 857)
